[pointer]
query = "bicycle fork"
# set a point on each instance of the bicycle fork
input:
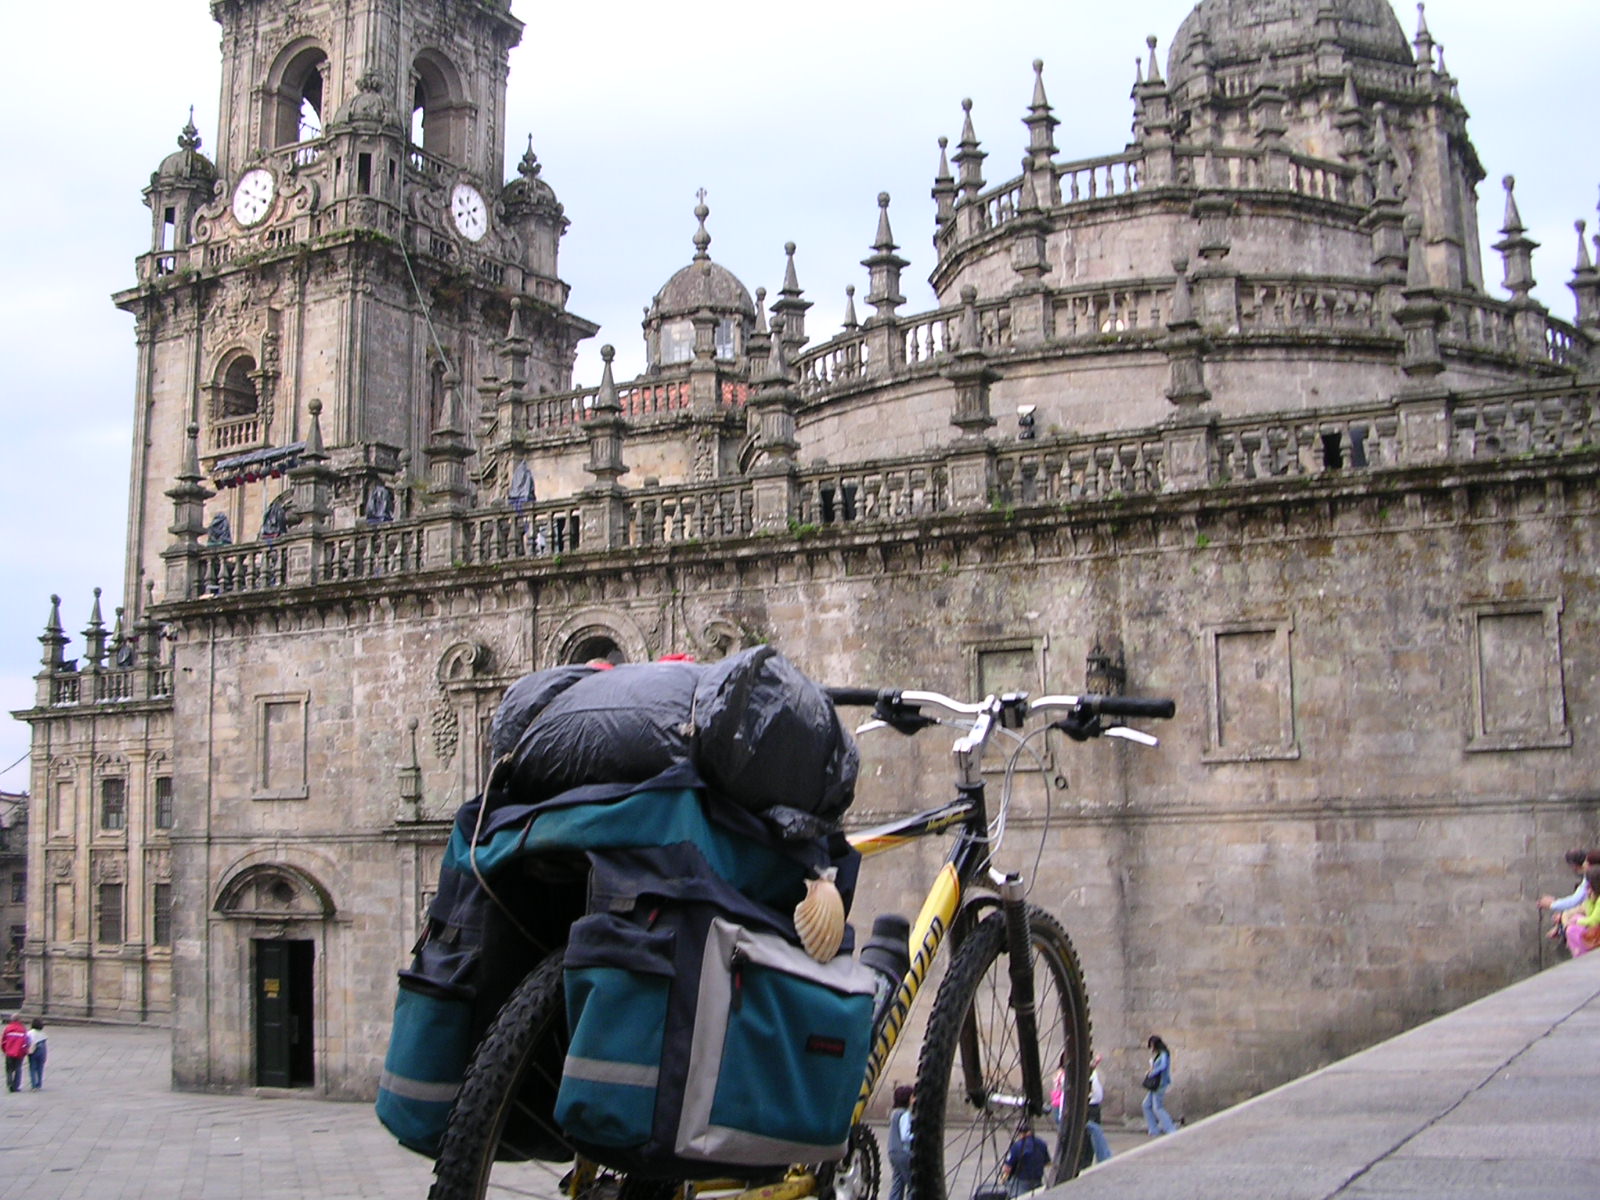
(1019, 967)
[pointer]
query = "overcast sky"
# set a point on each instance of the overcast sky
(793, 118)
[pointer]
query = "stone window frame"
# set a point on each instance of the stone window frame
(1038, 644)
(104, 924)
(161, 914)
(108, 822)
(259, 781)
(1288, 745)
(1558, 733)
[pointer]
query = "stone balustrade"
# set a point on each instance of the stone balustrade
(1062, 471)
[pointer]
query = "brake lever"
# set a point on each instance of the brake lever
(1131, 735)
(869, 725)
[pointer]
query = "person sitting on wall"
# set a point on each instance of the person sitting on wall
(1583, 927)
(1576, 859)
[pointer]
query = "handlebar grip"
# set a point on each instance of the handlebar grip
(849, 697)
(1132, 706)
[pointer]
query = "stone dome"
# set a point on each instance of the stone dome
(185, 166)
(702, 284)
(528, 192)
(368, 107)
(1238, 31)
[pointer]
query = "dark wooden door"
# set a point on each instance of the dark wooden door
(283, 999)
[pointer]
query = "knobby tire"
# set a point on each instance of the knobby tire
(960, 1136)
(523, 1048)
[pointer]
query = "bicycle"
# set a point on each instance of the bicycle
(1011, 1009)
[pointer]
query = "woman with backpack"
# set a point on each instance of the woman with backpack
(1156, 1082)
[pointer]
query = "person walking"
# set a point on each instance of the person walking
(900, 1144)
(1025, 1162)
(1156, 1082)
(36, 1054)
(1097, 1096)
(14, 1045)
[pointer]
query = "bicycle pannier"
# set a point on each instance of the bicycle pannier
(700, 1043)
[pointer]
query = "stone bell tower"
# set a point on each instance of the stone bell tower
(354, 242)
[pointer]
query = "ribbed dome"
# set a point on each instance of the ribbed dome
(1247, 30)
(702, 284)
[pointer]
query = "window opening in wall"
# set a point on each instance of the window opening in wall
(364, 173)
(109, 929)
(238, 391)
(163, 802)
(1332, 455)
(296, 113)
(169, 228)
(598, 648)
(19, 888)
(724, 339)
(113, 803)
(161, 914)
(310, 126)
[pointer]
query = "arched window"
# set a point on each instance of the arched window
(438, 109)
(294, 101)
(598, 647)
(236, 391)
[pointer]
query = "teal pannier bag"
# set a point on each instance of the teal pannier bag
(429, 1046)
(703, 1040)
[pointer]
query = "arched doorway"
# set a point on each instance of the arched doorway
(282, 910)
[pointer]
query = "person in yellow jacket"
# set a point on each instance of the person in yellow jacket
(1583, 926)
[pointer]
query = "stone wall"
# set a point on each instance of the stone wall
(1383, 685)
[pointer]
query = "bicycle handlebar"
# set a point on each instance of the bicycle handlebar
(1160, 708)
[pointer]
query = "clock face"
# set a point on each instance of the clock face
(469, 212)
(253, 196)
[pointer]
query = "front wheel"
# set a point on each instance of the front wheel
(971, 1099)
(501, 1122)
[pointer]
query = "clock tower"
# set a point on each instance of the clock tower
(354, 243)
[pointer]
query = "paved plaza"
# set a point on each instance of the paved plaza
(1498, 1099)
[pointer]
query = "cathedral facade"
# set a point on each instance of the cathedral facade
(1229, 414)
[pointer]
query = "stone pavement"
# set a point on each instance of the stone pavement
(106, 1126)
(1499, 1099)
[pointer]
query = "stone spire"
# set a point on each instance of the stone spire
(790, 305)
(1516, 248)
(759, 344)
(605, 429)
(54, 640)
(447, 451)
(774, 402)
(969, 158)
(850, 322)
(1423, 42)
(1155, 123)
(188, 496)
(1585, 283)
(884, 265)
(312, 479)
(944, 194)
(1039, 166)
(94, 636)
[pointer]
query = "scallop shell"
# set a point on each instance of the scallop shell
(819, 918)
